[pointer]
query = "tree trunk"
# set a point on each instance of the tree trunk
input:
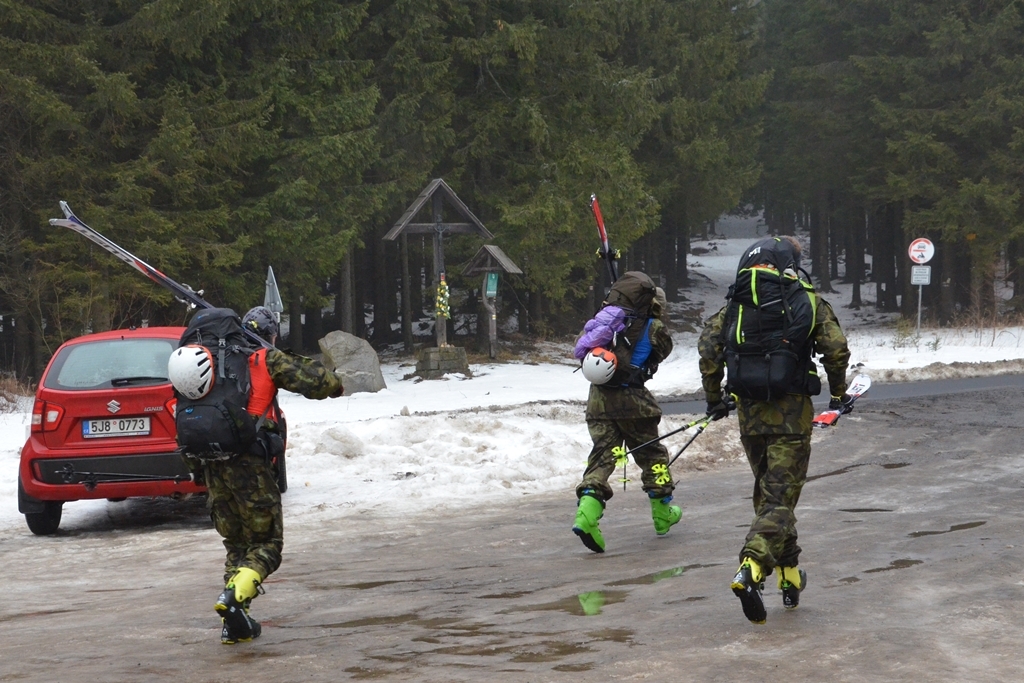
(314, 326)
(682, 252)
(883, 261)
(406, 297)
(855, 259)
(986, 286)
(295, 339)
(819, 244)
(1011, 270)
(522, 302)
(381, 288)
(669, 262)
(346, 295)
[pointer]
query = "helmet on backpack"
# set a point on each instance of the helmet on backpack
(599, 365)
(261, 321)
(190, 369)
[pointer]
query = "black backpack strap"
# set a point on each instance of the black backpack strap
(221, 347)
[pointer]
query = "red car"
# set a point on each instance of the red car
(102, 426)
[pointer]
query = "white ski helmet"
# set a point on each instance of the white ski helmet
(599, 365)
(190, 370)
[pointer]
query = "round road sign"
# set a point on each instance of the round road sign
(921, 250)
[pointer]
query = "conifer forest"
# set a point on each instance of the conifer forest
(215, 138)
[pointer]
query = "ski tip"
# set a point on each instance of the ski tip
(826, 419)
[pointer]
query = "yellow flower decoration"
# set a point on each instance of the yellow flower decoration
(441, 301)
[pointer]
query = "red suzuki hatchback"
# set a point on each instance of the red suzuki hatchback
(102, 426)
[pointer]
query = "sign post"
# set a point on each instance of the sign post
(921, 251)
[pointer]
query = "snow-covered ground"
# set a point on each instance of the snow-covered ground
(516, 429)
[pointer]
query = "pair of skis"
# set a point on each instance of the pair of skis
(182, 292)
(859, 387)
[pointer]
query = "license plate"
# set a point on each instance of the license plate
(122, 426)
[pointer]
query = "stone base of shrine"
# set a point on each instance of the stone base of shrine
(436, 362)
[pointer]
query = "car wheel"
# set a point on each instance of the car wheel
(282, 473)
(45, 523)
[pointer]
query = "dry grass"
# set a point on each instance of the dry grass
(12, 392)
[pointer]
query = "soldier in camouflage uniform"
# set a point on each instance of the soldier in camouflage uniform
(627, 413)
(242, 492)
(776, 437)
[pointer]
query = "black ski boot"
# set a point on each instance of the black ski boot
(747, 585)
(233, 607)
(792, 581)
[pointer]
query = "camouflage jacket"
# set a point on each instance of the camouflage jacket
(302, 375)
(791, 414)
(623, 403)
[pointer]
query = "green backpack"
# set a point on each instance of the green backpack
(768, 325)
(633, 292)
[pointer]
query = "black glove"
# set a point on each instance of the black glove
(844, 404)
(716, 411)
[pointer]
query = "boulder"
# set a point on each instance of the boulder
(355, 360)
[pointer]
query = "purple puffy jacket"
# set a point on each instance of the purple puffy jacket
(600, 330)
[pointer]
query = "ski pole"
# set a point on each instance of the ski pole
(624, 453)
(701, 426)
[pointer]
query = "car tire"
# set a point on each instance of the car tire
(281, 470)
(45, 523)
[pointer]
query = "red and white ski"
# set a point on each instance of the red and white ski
(857, 388)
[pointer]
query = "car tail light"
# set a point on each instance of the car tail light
(46, 416)
(172, 407)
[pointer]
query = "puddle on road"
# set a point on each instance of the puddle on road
(362, 586)
(41, 613)
(833, 473)
(859, 510)
(895, 564)
(374, 621)
(582, 605)
(955, 527)
(367, 585)
(844, 470)
(647, 579)
(505, 596)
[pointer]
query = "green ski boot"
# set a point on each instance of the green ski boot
(664, 515)
(588, 511)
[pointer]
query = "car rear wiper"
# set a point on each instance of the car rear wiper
(120, 381)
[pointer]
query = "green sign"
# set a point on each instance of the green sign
(491, 290)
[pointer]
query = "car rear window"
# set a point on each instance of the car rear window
(110, 363)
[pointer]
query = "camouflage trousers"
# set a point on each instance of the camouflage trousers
(779, 463)
(245, 506)
(653, 460)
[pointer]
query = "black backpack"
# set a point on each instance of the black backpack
(634, 293)
(218, 425)
(768, 325)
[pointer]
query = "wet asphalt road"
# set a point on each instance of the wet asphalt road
(879, 392)
(910, 523)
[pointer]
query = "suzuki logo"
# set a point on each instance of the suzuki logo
(113, 406)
